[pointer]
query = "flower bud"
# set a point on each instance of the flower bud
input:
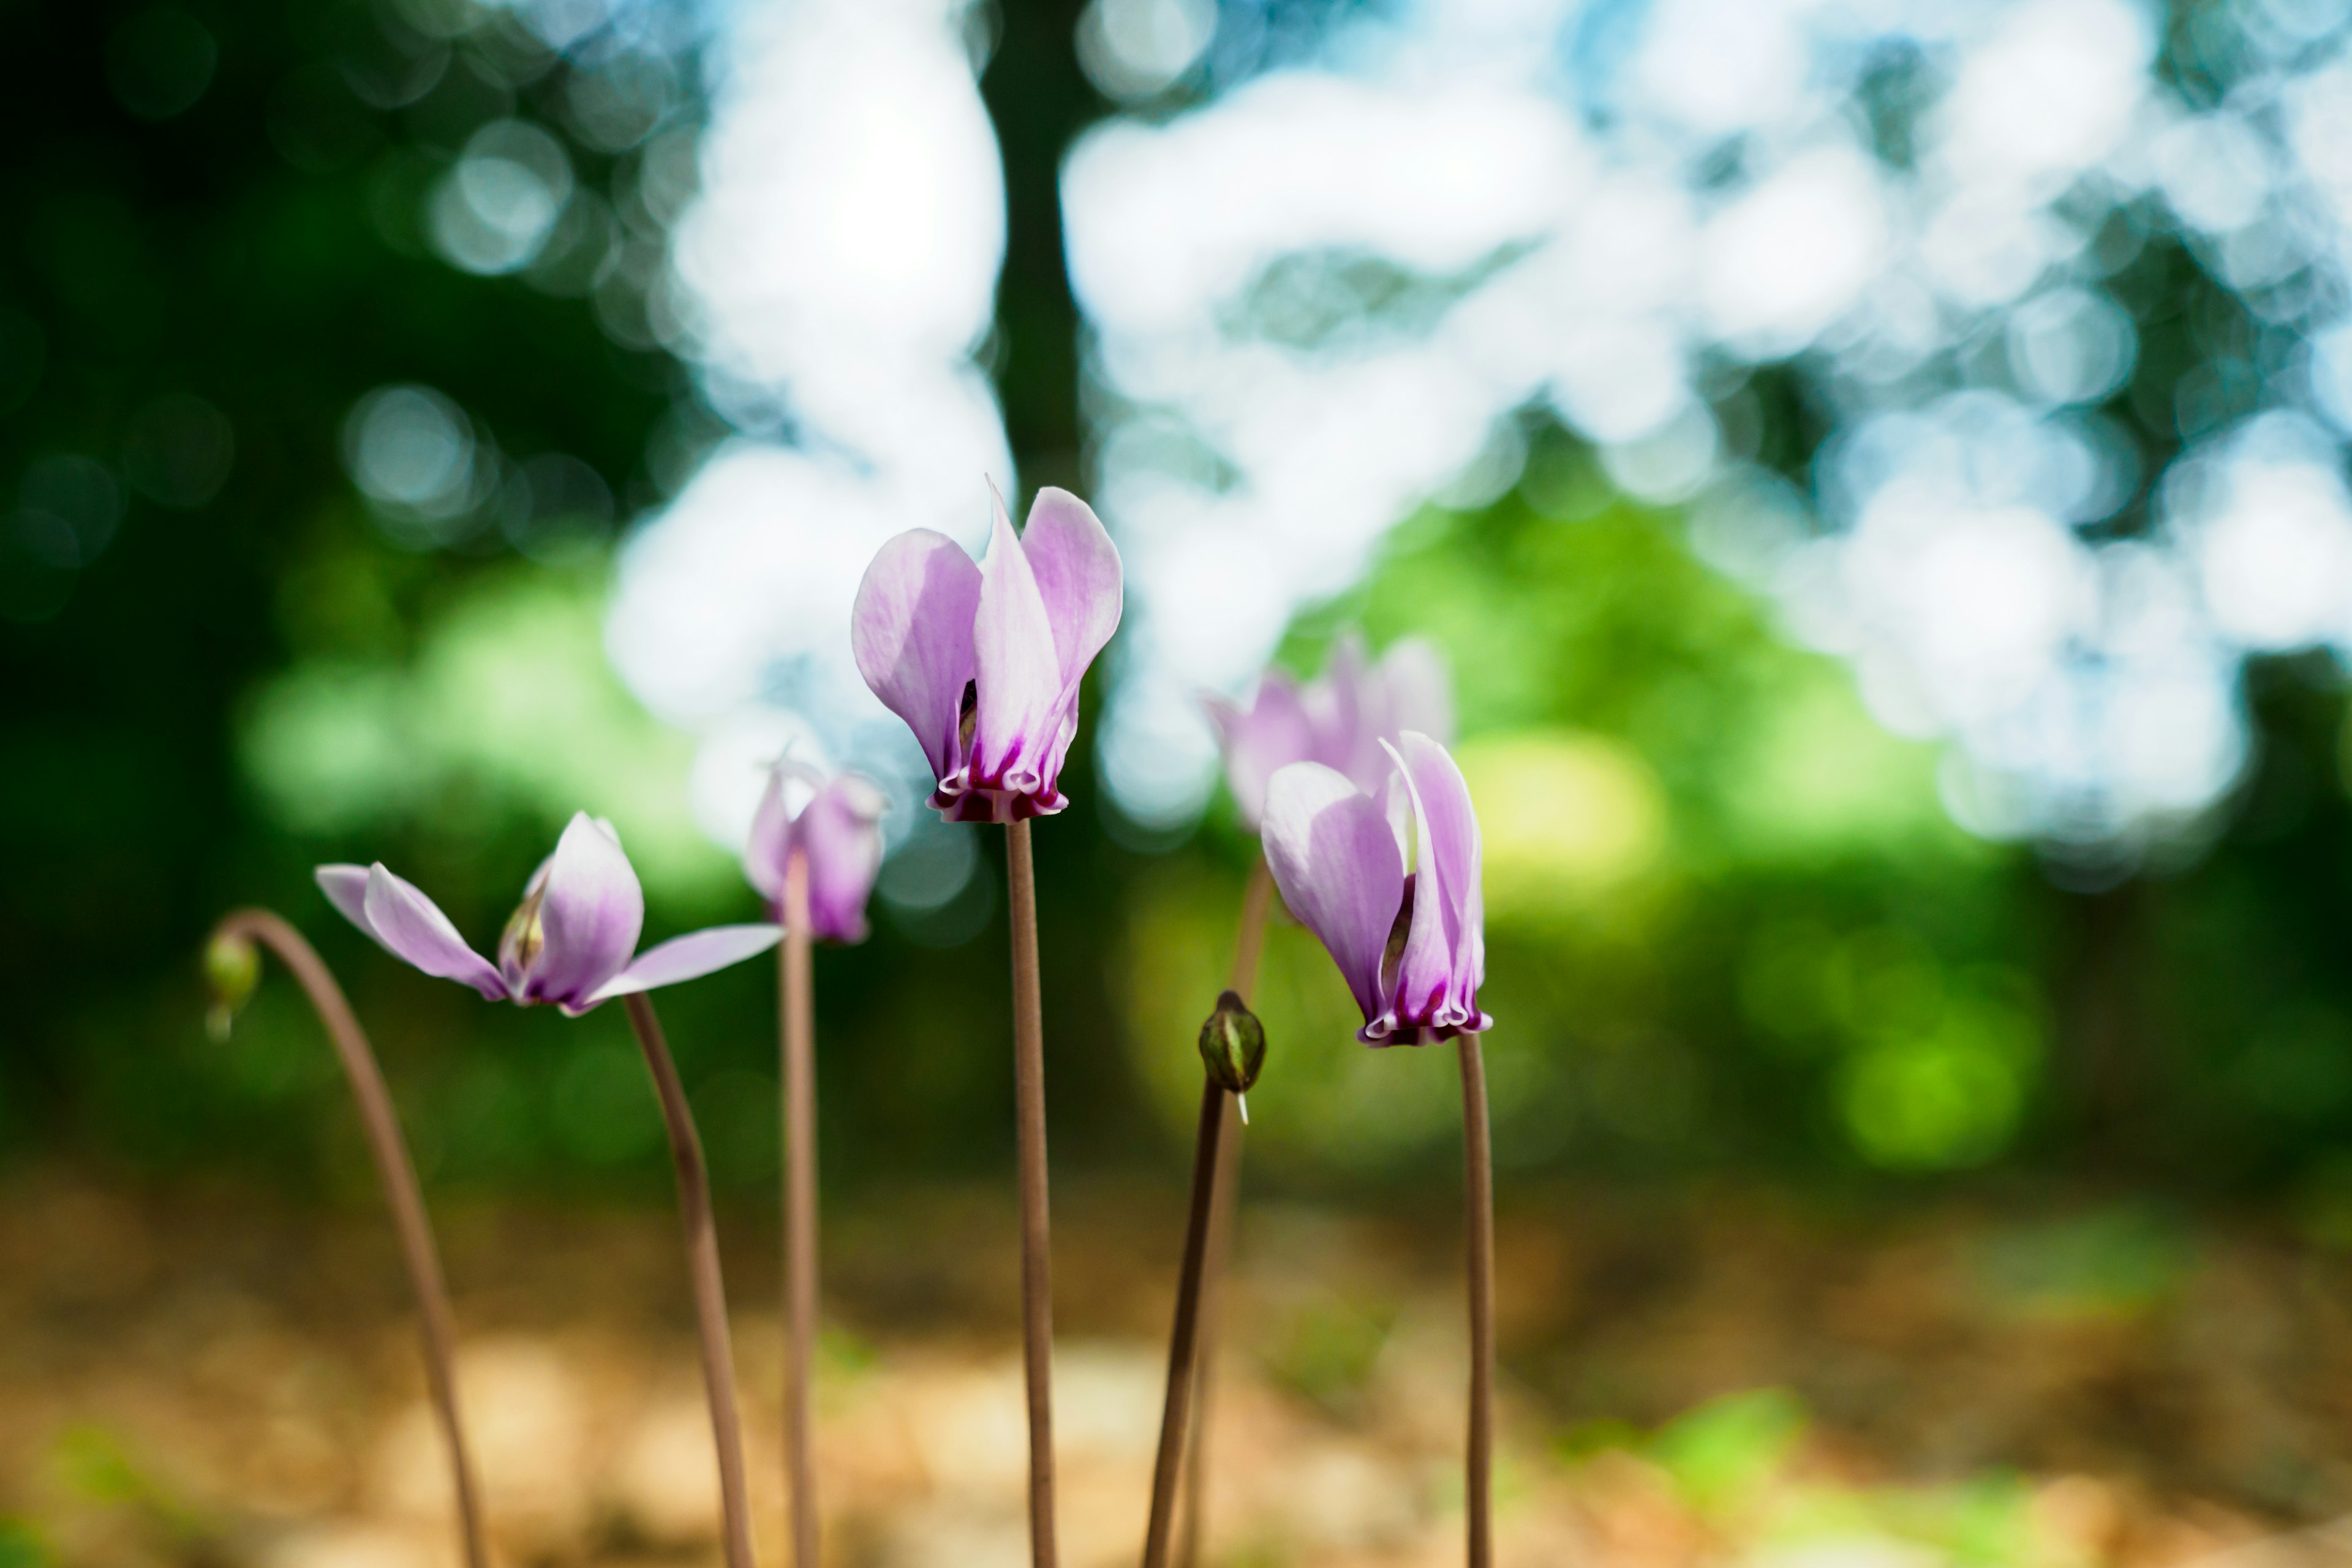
(232, 970)
(1232, 1045)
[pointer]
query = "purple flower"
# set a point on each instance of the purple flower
(984, 661)
(1341, 719)
(1412, 944)
(837, 824)
(570, 941)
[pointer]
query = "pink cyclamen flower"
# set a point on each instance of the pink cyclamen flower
(1340, 720)
(1411, 943)
(984, 661)
(569, 943)
(836, 822)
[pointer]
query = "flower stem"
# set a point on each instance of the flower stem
(1257, 902)
(800, 1211)
(1185, 1339)
(709, 1289)
(398, 1178)
(1037, 1246)
(1479, 1190)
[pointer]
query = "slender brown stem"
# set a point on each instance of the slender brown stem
(1478, 1189)
(1183, 1339)
(1257, 902)
(398, 1178)
(1037, 1245)
(799, 1212)
(709, 1289)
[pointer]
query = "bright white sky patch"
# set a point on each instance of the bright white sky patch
(838, 271)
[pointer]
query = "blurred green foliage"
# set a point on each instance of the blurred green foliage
(1732, 926)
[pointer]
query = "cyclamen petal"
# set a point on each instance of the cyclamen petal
(1078, 571)
(1271, 734)
(1336, 862)
(841, 831)
(346, 889)
(591, 911)
(1450, 843)
(687, 957)
(771, 840)
(911, 632)
(1020, 693)
(412, 927)
(1417, 692)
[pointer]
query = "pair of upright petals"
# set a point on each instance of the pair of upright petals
(1389, 880)
(1341, 719)
(983, 660)
(573, 942)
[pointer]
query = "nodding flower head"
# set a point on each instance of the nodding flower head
(569, 942)
(1389, 881)
(984, 661)
(835, 825)
(1341, 719)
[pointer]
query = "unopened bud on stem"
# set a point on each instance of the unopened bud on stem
(232, 970)
(1232, 1045)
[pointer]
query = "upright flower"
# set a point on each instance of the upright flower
(569, 945)
(837, 824)
(1412, 944)
(1389, 880)
(816, 843)
(569, 942)
(1339, 719)
(984, 661)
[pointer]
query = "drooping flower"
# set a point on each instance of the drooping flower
(570, 942)
(835, 823)
(984, 661)
(1389, 882)
(1339, 719)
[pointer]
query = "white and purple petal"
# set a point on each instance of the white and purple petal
(840, 831)
(1336, 862)
(1444, 956)
(911, 632)
(346, 889)
(413, 927)
(1271, 733)
(687, 957)
(1076, 568)
(1416, 690)
(591, 911)
(1020, 697)
(771, 843)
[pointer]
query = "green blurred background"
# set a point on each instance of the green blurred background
(1734, 933)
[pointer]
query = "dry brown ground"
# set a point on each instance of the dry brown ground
(210, 1378)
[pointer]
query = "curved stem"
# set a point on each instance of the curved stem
(709, 1289)
(1036, 1238)
(800, 1211)
(1257, 903)
(1183, 1339)
(1478, 1191)
(398, 1179)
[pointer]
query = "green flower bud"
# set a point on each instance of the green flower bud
(232, 970)
(1232, 1045)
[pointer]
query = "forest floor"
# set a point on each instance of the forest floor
(209, 1377)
